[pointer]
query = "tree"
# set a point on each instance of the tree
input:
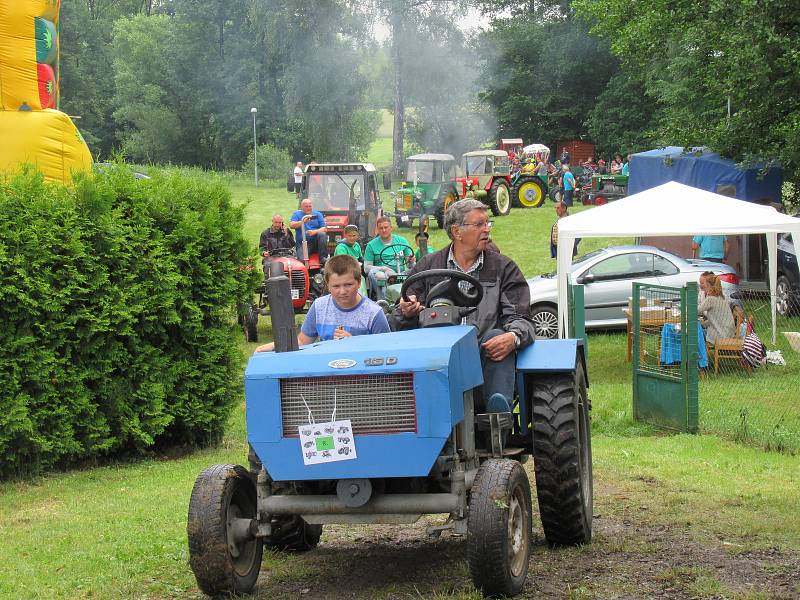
(543, 73)
(698, 59)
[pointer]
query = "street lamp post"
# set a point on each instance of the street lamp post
(254, 110)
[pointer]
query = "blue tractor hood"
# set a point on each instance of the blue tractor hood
(402, 391)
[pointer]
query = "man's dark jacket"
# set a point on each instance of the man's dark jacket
(272, 240)
(506, 296)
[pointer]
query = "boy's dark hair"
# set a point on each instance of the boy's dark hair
(342, 264)
(383, 220)
(350, 227)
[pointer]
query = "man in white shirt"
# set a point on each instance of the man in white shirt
(298, 178)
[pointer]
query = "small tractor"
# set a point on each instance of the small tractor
(307, 283)
(605, 188)
(386, 428)
(486, 177)
(429, 187)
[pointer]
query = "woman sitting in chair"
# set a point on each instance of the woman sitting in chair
(719, 322)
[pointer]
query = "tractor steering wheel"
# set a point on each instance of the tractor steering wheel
(448, 288)
(281, 252)
(387, 262)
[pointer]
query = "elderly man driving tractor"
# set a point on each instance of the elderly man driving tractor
(502, 317)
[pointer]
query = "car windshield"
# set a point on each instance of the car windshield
(577, 261)
(331, 192)
(420, 172)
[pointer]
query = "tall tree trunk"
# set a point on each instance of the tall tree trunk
(399, 108)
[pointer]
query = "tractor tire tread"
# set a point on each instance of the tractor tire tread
(556, 448)
(487, 531)
(208, 552)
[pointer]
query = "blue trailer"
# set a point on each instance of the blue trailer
(384, 429)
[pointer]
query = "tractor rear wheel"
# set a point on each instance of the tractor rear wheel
(556, 194)
(562, 454)
(251, 324)
(224, 555)
(442, 205)
(528, 192)
(294, 535)
(499, 198)
(499, 528)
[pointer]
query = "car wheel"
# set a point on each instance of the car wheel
(545, 322)
(786, 301)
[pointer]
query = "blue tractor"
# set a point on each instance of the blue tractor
(384, 429)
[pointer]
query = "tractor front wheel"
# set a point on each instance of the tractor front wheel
(562, 455)
(499, 528)
(441, 207)
(528, 192)
(224, 554)
(499, 198)
(251, 324)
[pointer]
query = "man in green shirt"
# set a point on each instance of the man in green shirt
(381, 263)
(349, 245)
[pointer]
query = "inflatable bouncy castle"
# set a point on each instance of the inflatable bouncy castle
(32, 129)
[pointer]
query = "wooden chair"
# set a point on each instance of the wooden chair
(731, 348)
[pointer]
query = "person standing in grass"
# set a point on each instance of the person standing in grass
(569, 185)
(561, 212)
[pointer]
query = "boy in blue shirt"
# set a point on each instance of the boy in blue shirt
(344, 311)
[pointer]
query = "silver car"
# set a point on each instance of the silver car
(607, 276)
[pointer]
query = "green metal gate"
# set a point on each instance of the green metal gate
(664, 330)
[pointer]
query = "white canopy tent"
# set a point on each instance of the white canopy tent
(671, 209)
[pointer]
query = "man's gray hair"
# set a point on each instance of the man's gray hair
(458, 211)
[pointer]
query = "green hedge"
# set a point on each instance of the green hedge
(117, 316)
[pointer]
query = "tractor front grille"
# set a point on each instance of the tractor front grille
(298, 281)
(377, 404)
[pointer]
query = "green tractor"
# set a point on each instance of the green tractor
(428, 189)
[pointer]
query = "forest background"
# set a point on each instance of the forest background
(174, 81)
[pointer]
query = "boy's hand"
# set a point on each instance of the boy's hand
(340, 332)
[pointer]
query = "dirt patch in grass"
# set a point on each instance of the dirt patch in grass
(631, 556)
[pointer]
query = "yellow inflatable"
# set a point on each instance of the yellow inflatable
(30, 130)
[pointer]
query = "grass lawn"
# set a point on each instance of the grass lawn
(120, 531)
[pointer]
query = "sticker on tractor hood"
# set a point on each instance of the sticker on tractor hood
(342, 363)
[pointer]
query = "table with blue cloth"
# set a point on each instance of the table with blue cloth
(671, 346)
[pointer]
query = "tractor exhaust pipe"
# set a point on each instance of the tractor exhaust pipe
(279, 296)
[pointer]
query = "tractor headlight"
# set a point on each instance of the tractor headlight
(319, 279)
(418, 195)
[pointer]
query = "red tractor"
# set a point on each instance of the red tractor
(307, 283)
(345, 193)
(486, 176)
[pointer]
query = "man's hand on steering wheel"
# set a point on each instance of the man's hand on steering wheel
(448, 288)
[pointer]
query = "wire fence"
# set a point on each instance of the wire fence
(755, 405)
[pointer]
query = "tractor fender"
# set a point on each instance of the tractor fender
(552, 356)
